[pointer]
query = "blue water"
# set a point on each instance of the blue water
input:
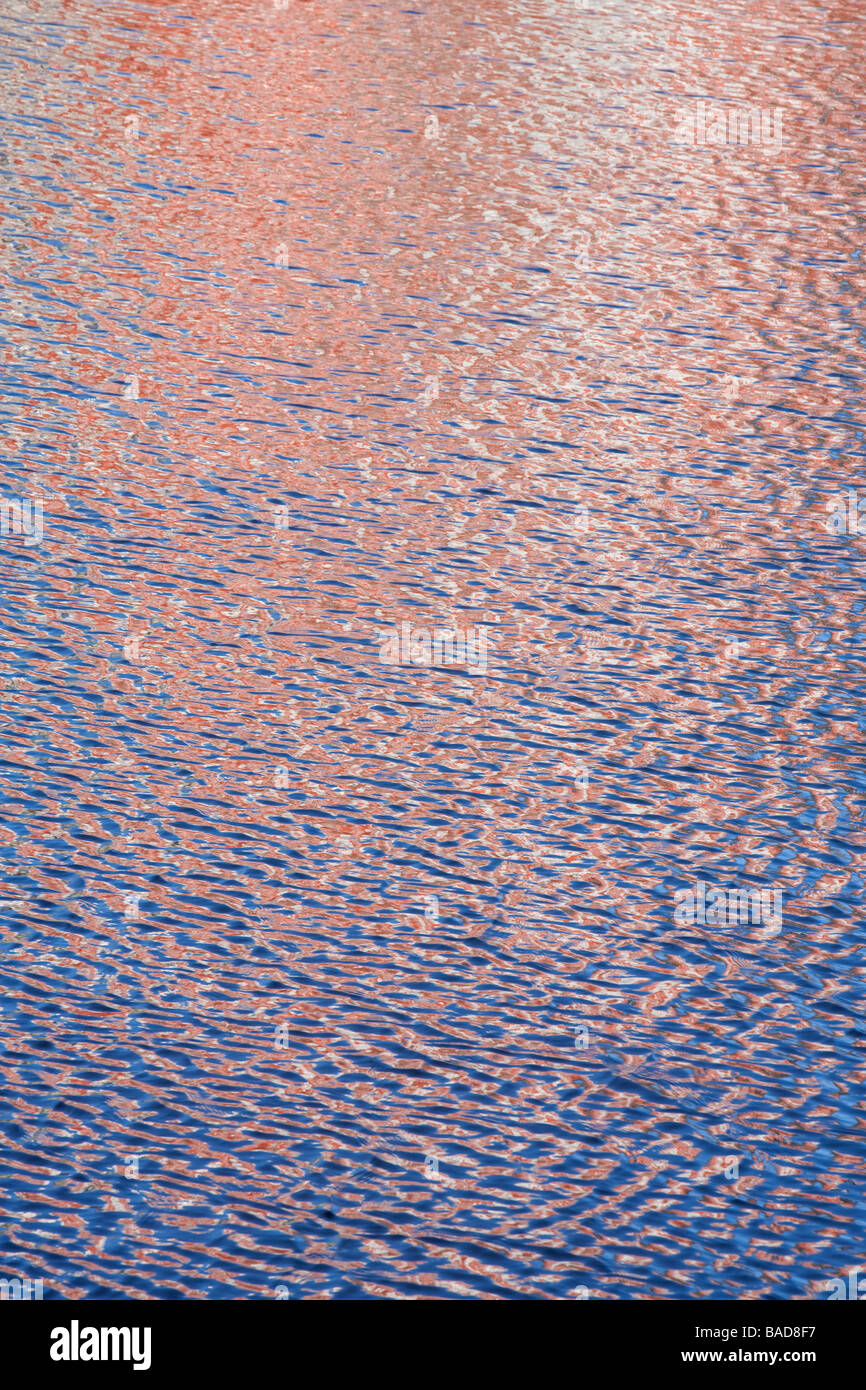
(325, 975)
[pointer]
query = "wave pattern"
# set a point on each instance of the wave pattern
(329, 974)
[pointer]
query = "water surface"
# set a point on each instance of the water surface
(329, 977)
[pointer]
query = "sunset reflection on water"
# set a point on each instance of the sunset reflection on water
(331, 976)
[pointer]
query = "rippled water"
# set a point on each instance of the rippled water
(326, 976)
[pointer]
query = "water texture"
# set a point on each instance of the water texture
(330, 971)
